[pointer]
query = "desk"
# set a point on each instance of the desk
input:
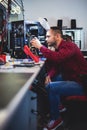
(15, 97)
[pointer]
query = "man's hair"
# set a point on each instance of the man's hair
(57, 30)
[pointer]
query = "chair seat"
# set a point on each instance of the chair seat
(78, 98)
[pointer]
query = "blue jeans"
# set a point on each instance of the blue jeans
(57, 89)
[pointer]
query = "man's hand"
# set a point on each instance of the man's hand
(47, 80)
(36, 43)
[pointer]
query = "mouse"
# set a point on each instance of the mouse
(2, 62)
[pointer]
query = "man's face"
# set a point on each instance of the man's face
(50, 38)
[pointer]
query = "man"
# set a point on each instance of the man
(66, 60)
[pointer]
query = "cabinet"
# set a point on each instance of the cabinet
(76, 35)
(18, 101)
(25, 117)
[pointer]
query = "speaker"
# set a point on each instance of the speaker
(59, 23)
(73, 23)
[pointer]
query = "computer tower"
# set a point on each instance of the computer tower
(17, 38)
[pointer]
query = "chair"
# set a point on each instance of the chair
(76, 113)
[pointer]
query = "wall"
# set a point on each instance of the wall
(58, 9)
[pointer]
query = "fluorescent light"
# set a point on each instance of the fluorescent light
(15, 10)
(18, 10)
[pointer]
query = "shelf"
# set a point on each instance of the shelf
(80, 28)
